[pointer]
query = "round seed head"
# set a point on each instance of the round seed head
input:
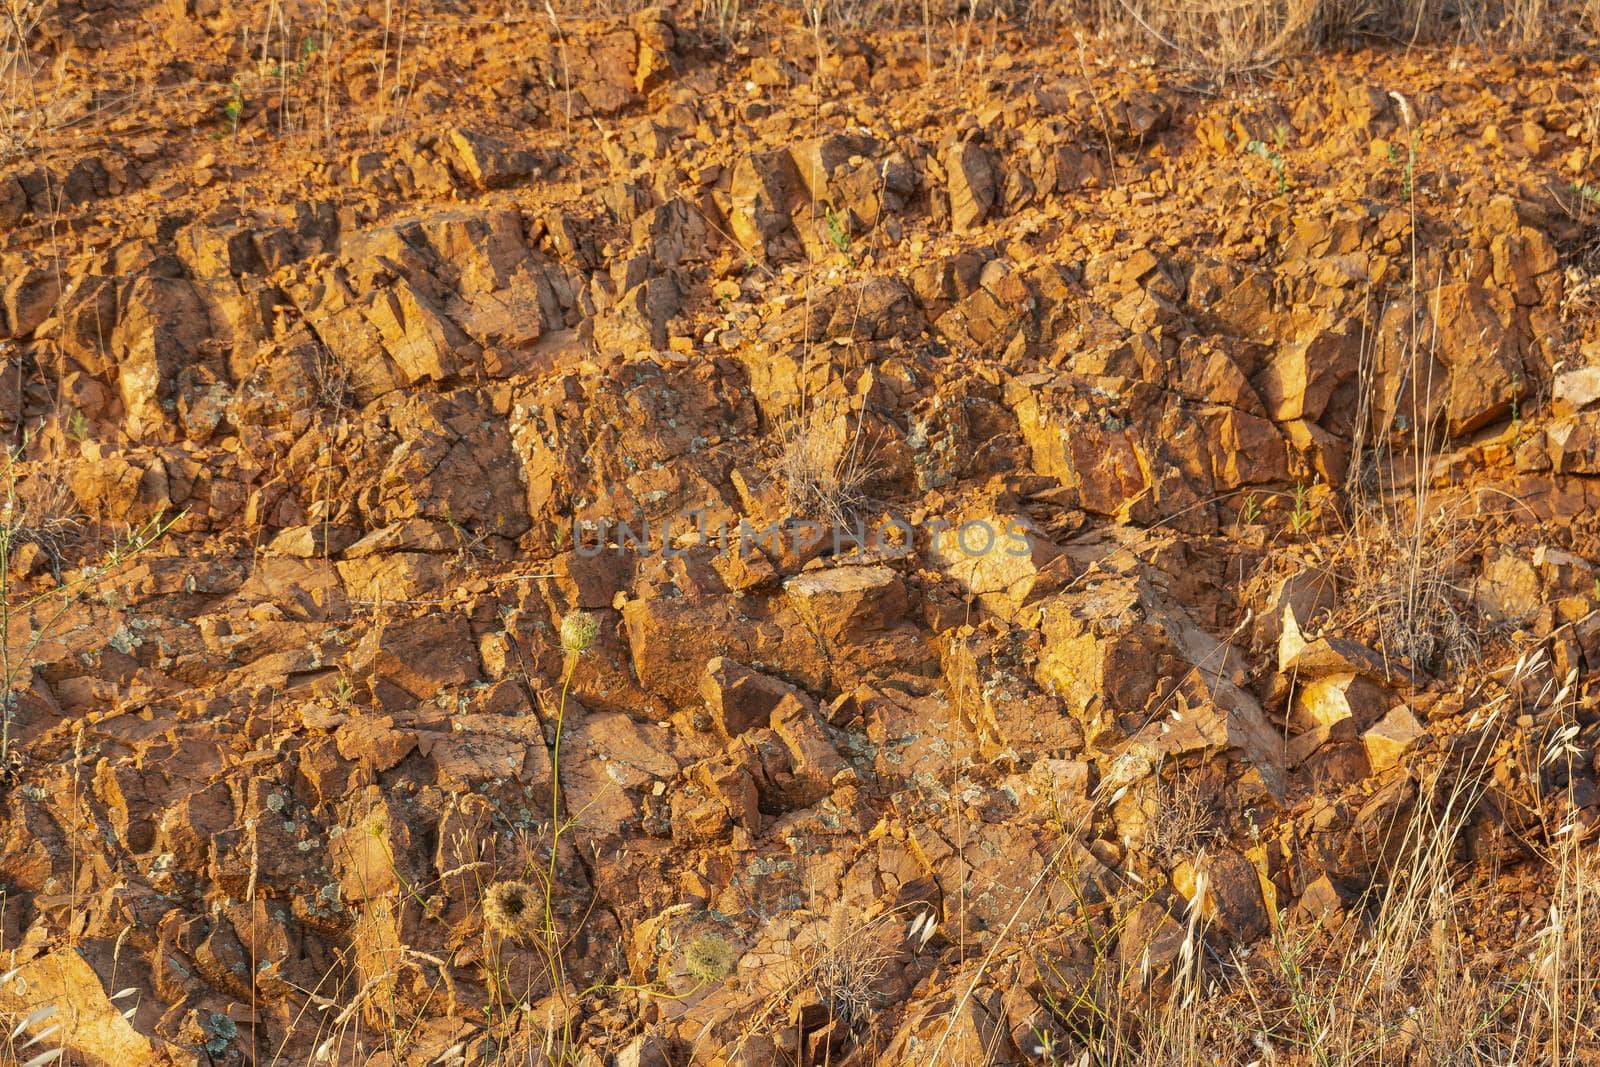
(709, 958)
(511, 909)
(578, 631)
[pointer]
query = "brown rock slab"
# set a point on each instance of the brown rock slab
(739, 698)
(813, 759)
(467, 761)
(608, 762)
(91, 1025)
(974, 184)
(489, 162)
(1328, 700)
(419, 656)
(841, 604)
(1303, 378)
(1233, 901)
(1323, 901)
(1390, 738)
(1575, 390)
(372, 857)
(1003, 560)
(374, 741)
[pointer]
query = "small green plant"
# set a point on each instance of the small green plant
(1251, 511)
(837, 232)
(1274, 158)
(308, 51)
(1300, 517)
(77, 427)
(233, 109)
(289, 73)
(1408, 166)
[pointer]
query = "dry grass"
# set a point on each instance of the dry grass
(825, 467)
(1400, 979)
(31, 1040)
(331, 378)
(20, 115)
(1225, 38)
(1404, 980)
(838, 964)
(1220, 39)
(1183, 824)
(1406, 589)
(37, 508)
(843, 969)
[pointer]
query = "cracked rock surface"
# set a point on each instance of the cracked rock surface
(744, 348)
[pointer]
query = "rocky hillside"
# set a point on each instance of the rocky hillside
(665, 540)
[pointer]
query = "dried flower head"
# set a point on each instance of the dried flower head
(511, 910)
(709, 958)
(578, 632)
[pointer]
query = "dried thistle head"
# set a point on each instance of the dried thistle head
(578, 631)
(709, 958)
(511, 909)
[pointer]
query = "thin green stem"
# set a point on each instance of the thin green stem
(553, 945)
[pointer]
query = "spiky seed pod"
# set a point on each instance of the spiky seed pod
(709, 958)
(511, 909)
(578, 631)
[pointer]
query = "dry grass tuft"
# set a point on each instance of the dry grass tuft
(824, 469)
(844, 969)
(1407, 589)
(1182, 825)
(1221, 39)
(38, 508)
(841, 962)
(20, 117)
(1228, 37)
(331, 378)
